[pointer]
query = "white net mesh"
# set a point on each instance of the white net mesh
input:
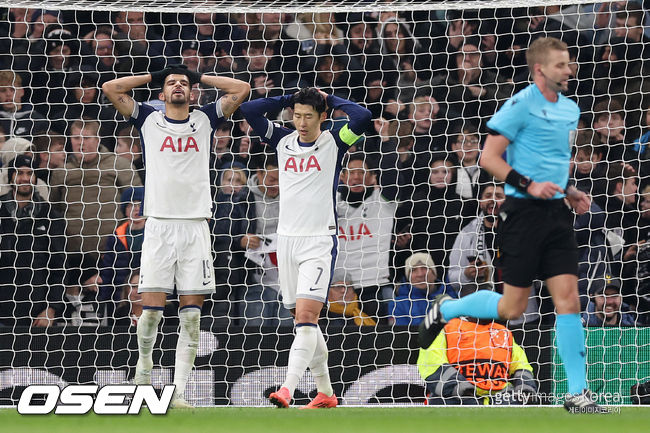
(431, 74)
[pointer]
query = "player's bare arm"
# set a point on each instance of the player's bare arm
(117, 91)
(236, 92)
(492, 160)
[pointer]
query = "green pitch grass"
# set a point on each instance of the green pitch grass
(340, 420)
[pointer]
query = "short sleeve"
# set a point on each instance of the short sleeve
(140, 113)
(510, 118)
(214, 113)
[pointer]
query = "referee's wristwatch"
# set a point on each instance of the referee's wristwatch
(524, 183)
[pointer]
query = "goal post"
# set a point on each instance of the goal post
(431, 73)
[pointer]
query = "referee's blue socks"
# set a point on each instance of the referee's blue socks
(481, 304)
(570, 337)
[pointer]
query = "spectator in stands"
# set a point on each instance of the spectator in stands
(620, 204)
(190, 55)
(221, 149)
(435, 215)
(28, 48)
(9, 151)
(609, 124)
(49, 155)
(469, 176)
(270, 28)
(333, 78)
(476, 362)
(469, 90)
(366, 215)
(88, 191)
(232, 220)
(18, 118)
(639, 148)
(380, 99)
(593, 249)
(317, 36)
(83, 101)
(81, 293)
(430, 127)
(408, 64)
(606, 307)
(99, 53)
(206, 28)
(416, 293)
(361, 43)
(589, 170)
(128, 146)
(129, 309)
(14, 42)
(149, 51)
(471, 259)
(48, 85)
(123, 247)
(32, 242)
(262, 306)
(343, 305)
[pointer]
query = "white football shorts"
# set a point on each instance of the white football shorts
(176, 253)
(305, 266)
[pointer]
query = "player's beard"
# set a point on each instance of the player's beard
(179, 101)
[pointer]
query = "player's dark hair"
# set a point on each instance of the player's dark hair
(310, 96)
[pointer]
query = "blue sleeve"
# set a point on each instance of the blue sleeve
(359, 119)
(509, 119)
(140, 113)
(214, 113)
(254, 112)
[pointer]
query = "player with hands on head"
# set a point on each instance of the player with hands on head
(309, 162)
(177, 247)
(535, 236)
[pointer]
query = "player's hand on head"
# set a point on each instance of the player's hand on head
(158, 77)
(324, 95)
(543, 190)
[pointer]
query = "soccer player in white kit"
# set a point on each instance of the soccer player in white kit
(177, 249)
(309, 161)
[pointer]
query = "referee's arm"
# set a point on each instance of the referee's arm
(492, 161)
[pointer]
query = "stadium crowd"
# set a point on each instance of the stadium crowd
(416, 212)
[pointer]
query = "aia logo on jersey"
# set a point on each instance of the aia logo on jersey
(168, 143)
(351, 235)
(300, 166)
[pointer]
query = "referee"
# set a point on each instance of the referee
(535, 237)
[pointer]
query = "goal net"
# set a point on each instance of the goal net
(415, 211)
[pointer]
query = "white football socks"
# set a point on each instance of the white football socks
(188, 343)
(301, 354)
(318, 366)
(147, 330)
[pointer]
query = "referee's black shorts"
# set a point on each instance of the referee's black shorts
(535, 239)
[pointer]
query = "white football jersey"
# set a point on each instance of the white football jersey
(309, 177)
(176, 155)
(364, 239)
